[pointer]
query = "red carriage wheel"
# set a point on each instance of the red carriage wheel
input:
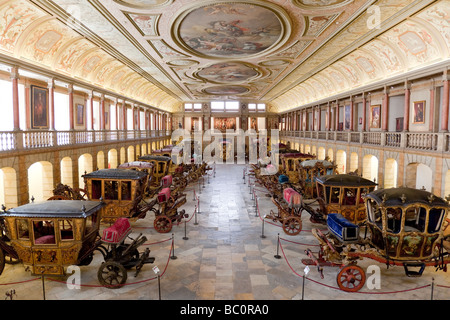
(351, 278)
(292, 225)
(162, 224)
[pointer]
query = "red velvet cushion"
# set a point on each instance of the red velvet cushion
(50, 239)
(117, 232)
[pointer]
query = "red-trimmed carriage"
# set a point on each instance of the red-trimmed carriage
(404, 227)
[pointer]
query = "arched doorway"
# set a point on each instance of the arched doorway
(354, 162)
(341, 161)
(8, 188)
(370, 167)
(419, 176)
(390, 173)
(85, 165)
(112, 159)
(66, 171)
(40, 181)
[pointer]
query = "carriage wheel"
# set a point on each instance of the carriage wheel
(112, 274)
(292, 225)
(2, 260)
(80, 194)
(162, 224)
(351, 278)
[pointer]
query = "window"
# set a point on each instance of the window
(96, 189)
(22, 229)
(232, 106)
(197, 107)
(261, 107)
(192, 107)
(335, 194)
(66, 230)
(252, 107)
(126, 190)
(44, 232)
(188, 107)
(217, 106)
(111, 190)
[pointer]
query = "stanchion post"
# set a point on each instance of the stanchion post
(262, 232)
(43, 286)
(195, 213)
(306, 271)
(157, 272)
(185, 235)
(198, 205)
(256, 205)
(193, 195)
(277, 256)
(432, 288)
(199, 187)
(173, 256)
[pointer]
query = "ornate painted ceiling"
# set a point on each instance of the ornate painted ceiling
(286, 53)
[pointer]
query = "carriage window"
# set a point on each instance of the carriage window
(335, 192)
(394, 219)
(435, 219)
(374, 213)
(44, 232)
(66, 230)
(96, 189)
(349, 196)
(320, 191)
(111, 190)
(415, 219)
(90, 223)
(126, 190)
(22, 229)
(161, 166)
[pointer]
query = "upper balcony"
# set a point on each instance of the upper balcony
(404, 141)
(35, 139)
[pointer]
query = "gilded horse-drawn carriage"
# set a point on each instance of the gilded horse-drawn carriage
(122, 191)
(290, 164)
(404, 227)
(309, 170)
(52, 235)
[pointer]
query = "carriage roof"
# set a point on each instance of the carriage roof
(313, 162)
(116, 174)
(136, 164)
(55, 209)
(155, 158)
(345, 180)
(405, 196)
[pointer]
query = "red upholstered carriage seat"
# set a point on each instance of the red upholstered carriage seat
(117, 232)
(166, 181)
(164, 195)
(50, 239)
(292, 197)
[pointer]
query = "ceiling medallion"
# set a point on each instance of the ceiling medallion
(232, 29)
(225, 90)
(228, 72)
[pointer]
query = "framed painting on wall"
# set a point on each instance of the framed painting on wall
(347, 116)
(375, 116)
(80, 114)
(419, 112)
(39, 107)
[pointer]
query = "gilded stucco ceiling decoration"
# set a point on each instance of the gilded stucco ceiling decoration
(286, 53)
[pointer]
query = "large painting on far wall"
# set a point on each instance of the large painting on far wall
(225, 123)
(39, 107)
(419, 112)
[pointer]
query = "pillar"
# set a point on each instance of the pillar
(15, 97)
(385, 111)
(71, 116)
(445, 103)
(407, 106)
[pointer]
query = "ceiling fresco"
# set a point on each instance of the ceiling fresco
(286, 53)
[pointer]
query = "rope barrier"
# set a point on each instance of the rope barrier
(337, 288)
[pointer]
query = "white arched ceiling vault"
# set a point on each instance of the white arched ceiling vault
(30, 34)
(421, 40)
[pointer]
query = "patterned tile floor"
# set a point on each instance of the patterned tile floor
(225, 257)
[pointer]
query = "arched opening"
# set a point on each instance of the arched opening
(123, 157)
(314, 150)
(144, 149)
(8, 187)
(130, 154)
(321, 153)
(112, 159)
(307, 149)
(40, 181)
(370, 168)
(353, 162)
(419, 176)
(100, 160)
(330, 155)
(390, 173)
(85, 165)
(341, 161)
(66, 171)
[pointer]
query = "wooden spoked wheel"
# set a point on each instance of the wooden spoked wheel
(162, 224)
(351, 278)
(112, 274)
(292, 225)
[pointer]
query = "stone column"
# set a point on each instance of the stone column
(407, 106)
(445, 103)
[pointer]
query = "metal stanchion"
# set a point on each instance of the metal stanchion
(198, 205)
(262, 232)
(277, 256)
(43, 286)
(195, 213)
(256, 205)
(432, 288)
(185, 235)
(173, 256)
